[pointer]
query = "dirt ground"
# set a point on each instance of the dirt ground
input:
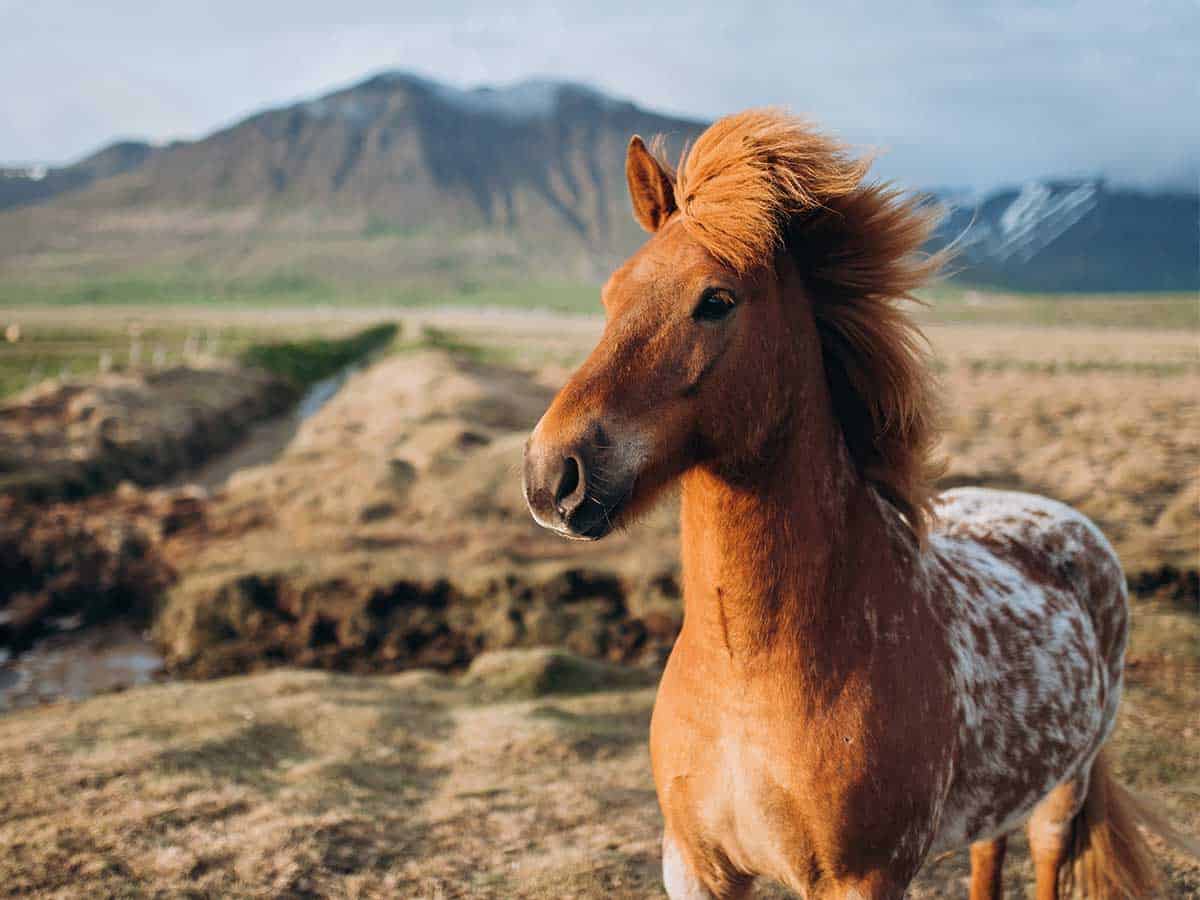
(496, 784)
(527, 775)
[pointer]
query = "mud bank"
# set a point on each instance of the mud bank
(64, 441)
(70, 565)
(73, 552)
(391, 533)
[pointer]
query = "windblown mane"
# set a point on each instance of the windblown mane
(762, 181)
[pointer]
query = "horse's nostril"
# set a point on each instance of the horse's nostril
(569, 484)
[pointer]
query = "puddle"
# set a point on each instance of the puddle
(266, 440)
(322, 392)
(74, 666)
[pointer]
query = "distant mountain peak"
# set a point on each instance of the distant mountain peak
(529, 101)
(525, 100)
(534, 98)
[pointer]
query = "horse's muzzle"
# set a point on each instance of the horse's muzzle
(572, 491)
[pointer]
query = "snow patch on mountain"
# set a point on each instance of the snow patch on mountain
(527, 100)
(1038, 216)
(31, 171)
(346, 107)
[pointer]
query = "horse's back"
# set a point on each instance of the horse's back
(1051, 544)
(1034, 603)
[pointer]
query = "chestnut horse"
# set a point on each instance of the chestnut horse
(867, 673)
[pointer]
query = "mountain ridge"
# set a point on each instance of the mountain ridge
(531, 172)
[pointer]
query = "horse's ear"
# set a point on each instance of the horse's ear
(651, 187)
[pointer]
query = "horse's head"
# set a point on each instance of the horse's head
(688, 366)
(712, 352)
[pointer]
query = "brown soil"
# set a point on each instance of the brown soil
(69, 565)
(389, 532)
(392, 533)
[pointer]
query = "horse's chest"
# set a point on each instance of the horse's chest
(736, 801)
(766, 790)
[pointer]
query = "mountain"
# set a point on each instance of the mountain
(536, 169)
(404, 151)
(1076, 235)
(25, 185)
(400, 179)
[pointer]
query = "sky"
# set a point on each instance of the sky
(950, 93)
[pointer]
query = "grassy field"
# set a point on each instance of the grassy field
(952, 303)
(69, 345)
(52, 342)
(296, 289)
(80, 328)
(949, 301)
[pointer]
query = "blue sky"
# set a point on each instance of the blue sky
(952, 93)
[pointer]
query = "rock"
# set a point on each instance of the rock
(540, 671)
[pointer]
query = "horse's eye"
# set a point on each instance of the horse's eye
(714, 305)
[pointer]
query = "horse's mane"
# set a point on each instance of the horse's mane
(761, 181)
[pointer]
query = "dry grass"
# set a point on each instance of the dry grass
(309, 784)
(1106, 421)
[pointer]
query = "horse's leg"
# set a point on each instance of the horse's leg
(1050, 835)
(682, 882)
(987, 869)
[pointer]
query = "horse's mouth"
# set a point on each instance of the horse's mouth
(595, 519)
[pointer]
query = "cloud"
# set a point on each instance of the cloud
(965, 94)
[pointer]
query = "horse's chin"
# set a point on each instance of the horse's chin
(597, 524)
(602, 523)
(588, 538)
(598, 516)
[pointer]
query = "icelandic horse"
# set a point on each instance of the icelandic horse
(867, 673)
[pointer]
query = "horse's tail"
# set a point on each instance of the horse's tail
(1109, 858)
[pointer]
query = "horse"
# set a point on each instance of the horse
(867, 673)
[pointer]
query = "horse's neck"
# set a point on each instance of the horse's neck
(791, 561)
